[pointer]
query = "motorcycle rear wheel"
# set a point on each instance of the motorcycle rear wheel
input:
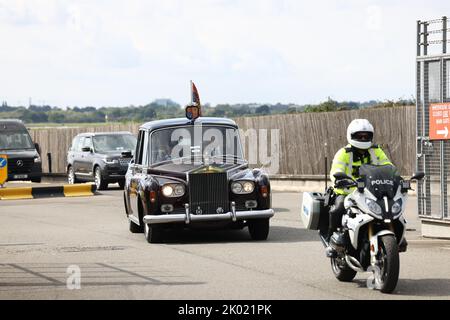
(342, 271)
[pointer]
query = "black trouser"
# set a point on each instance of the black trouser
(336, 213)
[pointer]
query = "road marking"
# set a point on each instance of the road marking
(37, 274)
(129, 272)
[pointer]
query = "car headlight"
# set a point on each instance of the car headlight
(179, 190)
(248, 187)
(37, 159)
(373, 206)
(173, 190)
(236, 187)
(242, 187)
(110, 161)
(397, 207)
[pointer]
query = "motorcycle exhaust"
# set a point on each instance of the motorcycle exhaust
(354, 264)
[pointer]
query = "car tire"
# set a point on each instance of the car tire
(153, 234)
(100, 183)
(36, 180)
(71, 178)
(122, 184)
(134, 228)
(259, 229)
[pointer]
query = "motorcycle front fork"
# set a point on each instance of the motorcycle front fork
(375, 247)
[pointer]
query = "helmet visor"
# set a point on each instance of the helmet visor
(363, 136)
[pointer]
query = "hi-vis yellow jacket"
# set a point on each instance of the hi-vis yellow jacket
(348, 161)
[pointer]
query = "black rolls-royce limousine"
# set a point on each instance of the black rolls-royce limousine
(190, 173)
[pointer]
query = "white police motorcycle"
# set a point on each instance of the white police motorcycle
(373, 227)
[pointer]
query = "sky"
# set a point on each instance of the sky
(131, 52)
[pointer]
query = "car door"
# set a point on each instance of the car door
(136, 173)
(87, 158)
(75, 154)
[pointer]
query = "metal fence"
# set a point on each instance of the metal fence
(433, 157)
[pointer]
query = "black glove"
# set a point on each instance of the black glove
(344, 183)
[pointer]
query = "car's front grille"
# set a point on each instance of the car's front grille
(124, 161)
(20, 165)
(208, 192)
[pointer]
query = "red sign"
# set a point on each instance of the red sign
(440, 121)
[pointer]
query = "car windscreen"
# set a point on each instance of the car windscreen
(219, 143)
(11, 140)
(381, 180)
(114, 142)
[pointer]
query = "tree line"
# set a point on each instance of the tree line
(166, 108)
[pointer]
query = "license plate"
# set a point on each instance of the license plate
(20, 176)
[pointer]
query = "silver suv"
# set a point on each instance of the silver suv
(100, 157)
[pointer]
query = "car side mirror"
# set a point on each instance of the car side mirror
(418, 176)
(38, 148)
(341, 176)
(86, 149)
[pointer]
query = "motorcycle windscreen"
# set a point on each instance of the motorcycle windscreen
(381, 181)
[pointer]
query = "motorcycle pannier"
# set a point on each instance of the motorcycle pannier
(312, 210)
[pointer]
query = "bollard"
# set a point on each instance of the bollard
(49, 158)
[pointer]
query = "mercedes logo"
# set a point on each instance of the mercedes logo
(19, 163)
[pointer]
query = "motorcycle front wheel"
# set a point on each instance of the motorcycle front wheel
(341, 270)
(389, 264)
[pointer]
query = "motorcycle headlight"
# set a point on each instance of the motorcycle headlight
(373, 206)
(242, 187)
(173, 190)
(397, 207)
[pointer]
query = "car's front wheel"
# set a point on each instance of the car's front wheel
(259, 229)
(134, 228)
(71, 178)
(100, 183)
(153, 234)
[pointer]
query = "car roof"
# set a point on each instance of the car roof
(93, 134)
(159, 124)
(11, 124)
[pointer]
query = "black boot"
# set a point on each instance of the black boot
(336, 244)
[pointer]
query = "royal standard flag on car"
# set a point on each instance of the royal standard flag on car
(195, 97)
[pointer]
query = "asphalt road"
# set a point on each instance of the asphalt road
(41, 238)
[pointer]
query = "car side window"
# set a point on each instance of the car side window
(139, 148)
(87, 142)
(75, 144)
(80, 144)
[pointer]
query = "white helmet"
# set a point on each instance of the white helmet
(360, 134)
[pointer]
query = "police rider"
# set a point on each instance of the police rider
(348, 160)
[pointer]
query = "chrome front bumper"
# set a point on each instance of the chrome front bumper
(187, 217)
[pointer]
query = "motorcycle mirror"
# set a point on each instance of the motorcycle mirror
(341, 176)
(418, 176)
(406, 185)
